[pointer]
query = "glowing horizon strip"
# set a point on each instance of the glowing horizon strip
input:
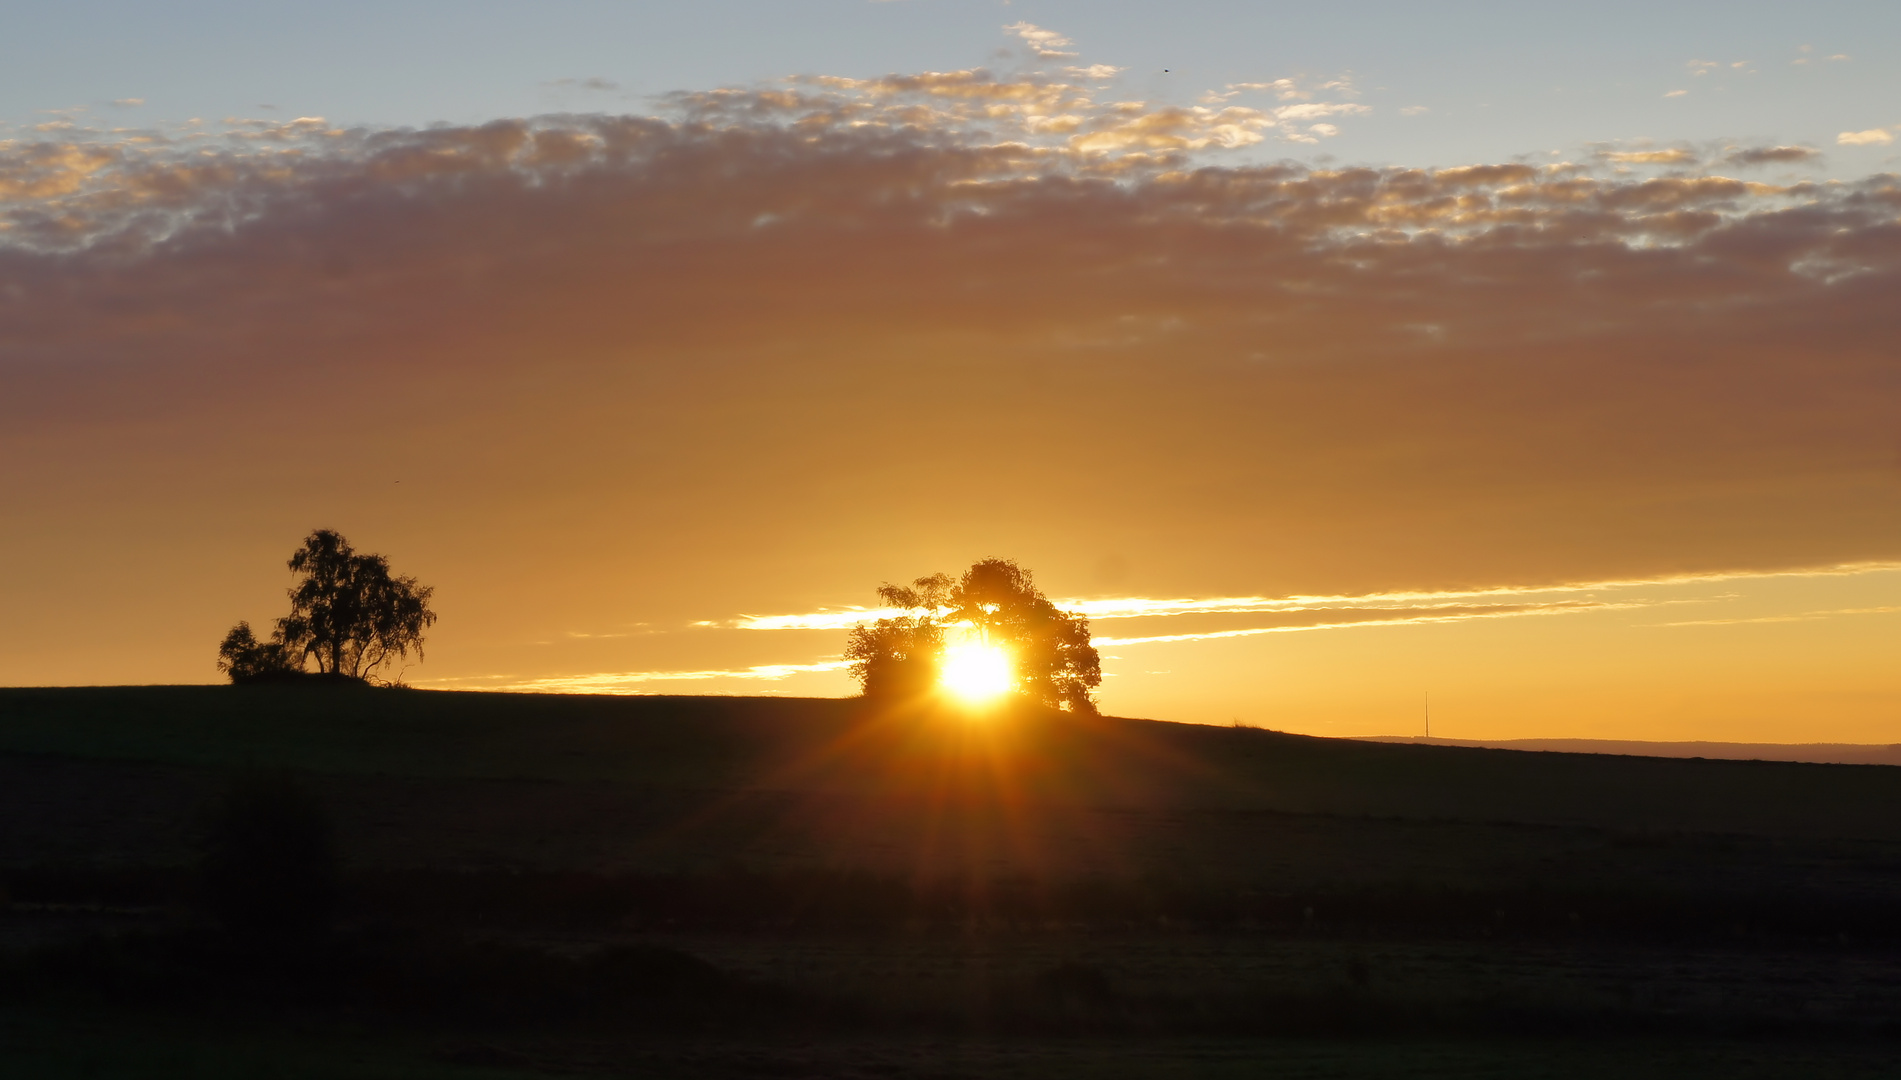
(1138, 607)
(605, 682)
(1805, 616)
(1414, 620)
(1425, 605)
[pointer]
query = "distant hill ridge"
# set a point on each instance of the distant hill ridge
(864, 760)
(1817, 753)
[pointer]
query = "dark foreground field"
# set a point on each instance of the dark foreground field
(751, 887)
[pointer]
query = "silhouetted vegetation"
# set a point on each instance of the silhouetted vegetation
(900, 656)
(1051, 658)
(348, 614)
(246, 659)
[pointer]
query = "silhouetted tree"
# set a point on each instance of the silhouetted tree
(896, 657)
(347, 613)
(1049, 648)
(930, 594)
(899, 656)
(246, 659)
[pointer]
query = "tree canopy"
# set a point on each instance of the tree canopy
(348, 614)
(997, 601)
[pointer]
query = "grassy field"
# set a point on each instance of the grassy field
(1028, 894)
(42, 1044)
(833, 745)
(50, 1045)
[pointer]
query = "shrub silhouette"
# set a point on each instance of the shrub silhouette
(246, 659)
(269, 867)
(897, 657)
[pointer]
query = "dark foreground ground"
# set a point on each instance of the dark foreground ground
(49, 1045)
(769, 887)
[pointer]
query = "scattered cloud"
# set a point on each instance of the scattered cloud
(1414, 110)
(1806, 616)
(1284, 89)
(1769, 155)
(1094, 71)
(630, 682)
(1289, 614)
(594, 83)
(128, 102)
(1675, 93)
(1870, 137)
(1628, 373)
(1405, 605)
(1674, 156)
(1046, 44)
(1702, 68)
(1369, 619)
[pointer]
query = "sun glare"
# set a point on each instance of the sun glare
(975, 672)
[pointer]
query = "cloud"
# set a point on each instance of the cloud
(1046, 44)
(1094, 71)
(1770, 155)
(1367, 619)
(1414, 110)
(1319, 610)
(1675, 93)
(1313, 110)
(592, 82)
(1283, 615)
(1806, 616)
(1651, 157)
(1285, 89)
(629, 682)
(1870, 137)
(128, 102)
(773, 341)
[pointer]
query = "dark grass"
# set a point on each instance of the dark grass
(732, 886)
(1004, 985)
(820, 901)
(723, 743)
(43, 1043)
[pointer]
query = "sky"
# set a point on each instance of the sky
(1331, 358)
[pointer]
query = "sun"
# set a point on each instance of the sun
(975, 672)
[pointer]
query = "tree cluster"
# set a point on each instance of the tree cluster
(1051, 656)
(348, 615)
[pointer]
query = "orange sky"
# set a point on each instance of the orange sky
(601, 379)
